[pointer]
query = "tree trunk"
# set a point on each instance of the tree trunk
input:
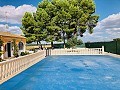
(52, 44)
(40, 46)
(75, 32)
(37, 42)
(64, 39)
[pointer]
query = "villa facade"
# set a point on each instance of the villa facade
(8, 48)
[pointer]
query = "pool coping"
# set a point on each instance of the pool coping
(113, 55)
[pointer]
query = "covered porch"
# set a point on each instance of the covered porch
(8, 41)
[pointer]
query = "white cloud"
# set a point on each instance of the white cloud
(106, 30)
(2, 27)
(14, 14)
(112, 22)
(12, 29)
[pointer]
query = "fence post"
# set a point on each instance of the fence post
(102, 49)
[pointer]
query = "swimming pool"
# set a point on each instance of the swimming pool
(69, 73)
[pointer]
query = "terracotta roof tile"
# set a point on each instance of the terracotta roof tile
(8, 34)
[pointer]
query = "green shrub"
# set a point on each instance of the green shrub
(1, 43)
(72, 42)
(15, 51)
(24, 53)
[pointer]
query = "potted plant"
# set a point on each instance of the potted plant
(1, 52)
(15, 50)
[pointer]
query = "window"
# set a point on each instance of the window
(20, 46)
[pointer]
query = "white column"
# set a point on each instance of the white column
(102, 49)
(11, 49)
(24, 47)
(2, 48)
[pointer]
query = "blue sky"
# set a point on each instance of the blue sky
(107, 28)
(104, 8)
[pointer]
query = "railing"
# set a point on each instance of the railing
(80, 51)
(10, 68)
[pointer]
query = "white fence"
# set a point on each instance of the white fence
(80, 51)
(10, 68)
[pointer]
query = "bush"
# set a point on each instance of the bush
(1, 43)
(72, 42)
(24, 53)
(16, 54)
(79, 42)
(34, 50)
(15, 51)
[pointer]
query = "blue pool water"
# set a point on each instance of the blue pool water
(69, 73)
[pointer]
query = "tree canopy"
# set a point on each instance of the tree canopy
(57, 20)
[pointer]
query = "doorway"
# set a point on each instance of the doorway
(9, 49)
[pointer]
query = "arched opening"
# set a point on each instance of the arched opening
(20, 45)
